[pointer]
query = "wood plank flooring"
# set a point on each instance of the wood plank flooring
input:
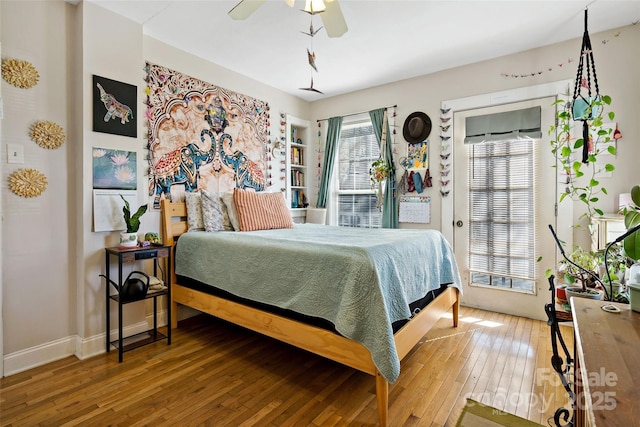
(217, 374)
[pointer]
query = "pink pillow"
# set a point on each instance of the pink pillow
(261, 211)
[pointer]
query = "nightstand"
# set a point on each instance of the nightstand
(131, 255)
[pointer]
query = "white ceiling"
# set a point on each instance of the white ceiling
(388, 40)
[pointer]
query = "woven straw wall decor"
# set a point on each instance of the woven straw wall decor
(47, 134)
(19, 73)
(27, 182)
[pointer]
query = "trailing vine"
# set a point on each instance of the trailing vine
(582, 183)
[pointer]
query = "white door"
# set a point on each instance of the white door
(500, 204)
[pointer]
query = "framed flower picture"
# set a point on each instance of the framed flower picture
(114, 169)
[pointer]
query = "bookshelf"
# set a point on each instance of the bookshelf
(298, 133)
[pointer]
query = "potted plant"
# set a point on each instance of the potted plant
(631, 213)
(579, 273)
(378, 173)
(617, 263)
(129, 238)
(631, 245)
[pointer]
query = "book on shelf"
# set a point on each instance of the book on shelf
(298, 199)
(297, 178)
(297, 156)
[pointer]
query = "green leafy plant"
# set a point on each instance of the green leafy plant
(132, 221)
(573, 274)
(617, 261)
(379, 171)
(631, 244)
(582, 184)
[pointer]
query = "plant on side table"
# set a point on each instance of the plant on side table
(617, 262)
(129, 238)
(580, 274)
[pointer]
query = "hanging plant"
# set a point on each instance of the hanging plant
(379, 172)
(582, 182)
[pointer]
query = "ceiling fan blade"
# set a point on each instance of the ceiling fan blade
(333, 20)
(245, 8)
(289, 2)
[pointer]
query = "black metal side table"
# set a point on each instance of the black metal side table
(130, 255)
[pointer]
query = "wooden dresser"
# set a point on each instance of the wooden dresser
(607, 354)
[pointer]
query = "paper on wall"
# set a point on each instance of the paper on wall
(107, 209)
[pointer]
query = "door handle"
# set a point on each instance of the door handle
(459, 223)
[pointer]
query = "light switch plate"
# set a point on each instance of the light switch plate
(15, 153)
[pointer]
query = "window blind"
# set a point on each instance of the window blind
(502, 209)
(515, 124)
(357, 150)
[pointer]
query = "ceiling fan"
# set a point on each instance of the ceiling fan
(329, 11)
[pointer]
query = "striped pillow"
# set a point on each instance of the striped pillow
(261, 211)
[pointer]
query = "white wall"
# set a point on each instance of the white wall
(37, 262)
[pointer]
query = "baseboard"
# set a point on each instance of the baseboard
(96, 345)
(39, 355)
(42, 354)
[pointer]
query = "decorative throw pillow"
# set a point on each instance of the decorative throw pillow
(261, 211)
(194, 211)
(214, 212)
(226, 218)
(227, 198)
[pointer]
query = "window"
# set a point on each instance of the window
(357, 150)
(501, 214)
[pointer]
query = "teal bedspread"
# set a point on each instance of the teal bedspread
(361, 280)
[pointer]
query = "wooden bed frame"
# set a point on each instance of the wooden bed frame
(311, 338)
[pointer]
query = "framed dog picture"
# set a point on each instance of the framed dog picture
(114, 107)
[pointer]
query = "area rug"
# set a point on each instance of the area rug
(476, 414)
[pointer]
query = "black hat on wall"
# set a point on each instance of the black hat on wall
(417, 127)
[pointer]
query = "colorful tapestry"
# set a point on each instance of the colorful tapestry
(202, 136)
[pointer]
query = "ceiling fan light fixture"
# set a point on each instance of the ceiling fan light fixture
(314, 6)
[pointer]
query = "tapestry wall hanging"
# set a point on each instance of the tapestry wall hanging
(202, 136)
(114, 107)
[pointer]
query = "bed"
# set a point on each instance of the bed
(372, 331)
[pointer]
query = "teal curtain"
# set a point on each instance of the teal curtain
(333, 136)
(390, 201)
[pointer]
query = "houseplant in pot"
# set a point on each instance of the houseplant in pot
(579, 274)
(631, 245)
(129, 238)
(617, 263)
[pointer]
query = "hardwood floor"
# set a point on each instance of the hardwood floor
(217, 374)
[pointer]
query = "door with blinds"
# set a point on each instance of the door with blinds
(505, 193)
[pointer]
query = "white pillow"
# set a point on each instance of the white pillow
(194, 211)
(214, 212)
(227, 198)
